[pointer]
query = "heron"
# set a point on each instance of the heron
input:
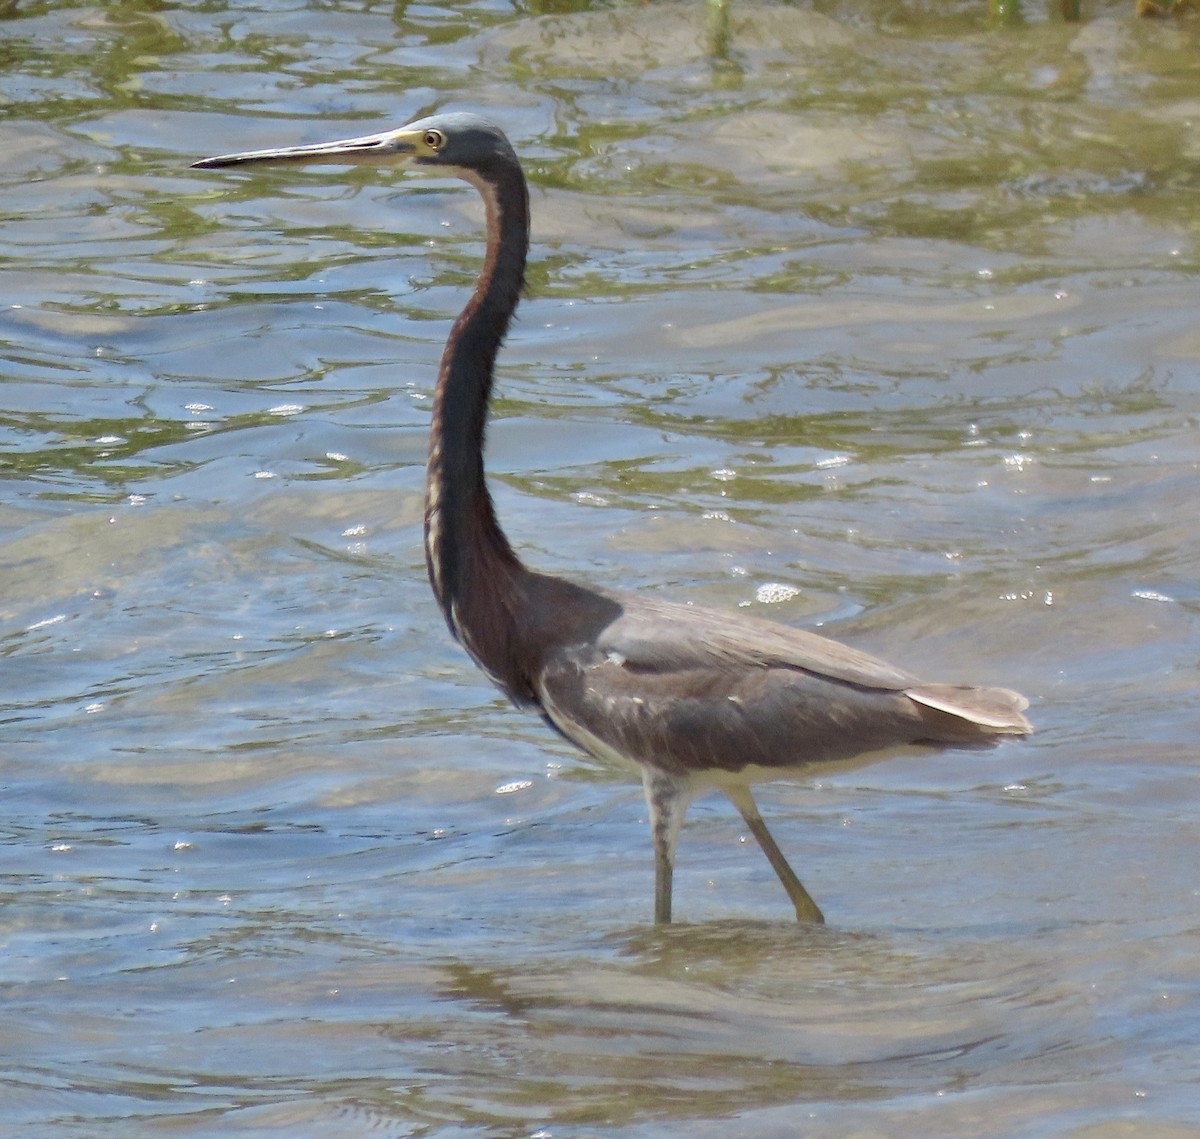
(695, 698)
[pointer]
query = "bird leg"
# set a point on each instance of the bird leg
(806, 908)
(664, 876)
(667, 799)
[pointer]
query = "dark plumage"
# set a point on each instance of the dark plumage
(695, 698)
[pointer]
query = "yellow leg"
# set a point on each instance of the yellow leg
(806, 908)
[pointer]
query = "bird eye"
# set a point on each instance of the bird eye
(433, 139)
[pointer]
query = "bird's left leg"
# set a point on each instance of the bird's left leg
(806, 908)
(667, 799)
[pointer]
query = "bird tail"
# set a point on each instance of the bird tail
(958, 713)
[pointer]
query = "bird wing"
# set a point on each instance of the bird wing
(689, 690)
(705, 718)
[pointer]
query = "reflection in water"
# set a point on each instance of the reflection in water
(890, 309)
(789, 1006)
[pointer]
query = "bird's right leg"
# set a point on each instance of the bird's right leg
(667, 799)
(806, 908)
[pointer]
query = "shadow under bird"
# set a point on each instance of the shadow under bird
(695, 698)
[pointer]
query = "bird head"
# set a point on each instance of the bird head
(458, 143)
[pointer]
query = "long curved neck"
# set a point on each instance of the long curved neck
(474, 572)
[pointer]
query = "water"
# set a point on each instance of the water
(866, 317)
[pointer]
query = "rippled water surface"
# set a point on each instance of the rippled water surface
(864, 316)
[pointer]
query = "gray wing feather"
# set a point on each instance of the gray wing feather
(686, 689)
(661, 635)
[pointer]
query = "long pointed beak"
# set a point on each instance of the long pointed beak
(388, 148)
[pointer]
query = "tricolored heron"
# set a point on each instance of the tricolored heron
(693, 697)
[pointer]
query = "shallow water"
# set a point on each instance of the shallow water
(866, 317)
